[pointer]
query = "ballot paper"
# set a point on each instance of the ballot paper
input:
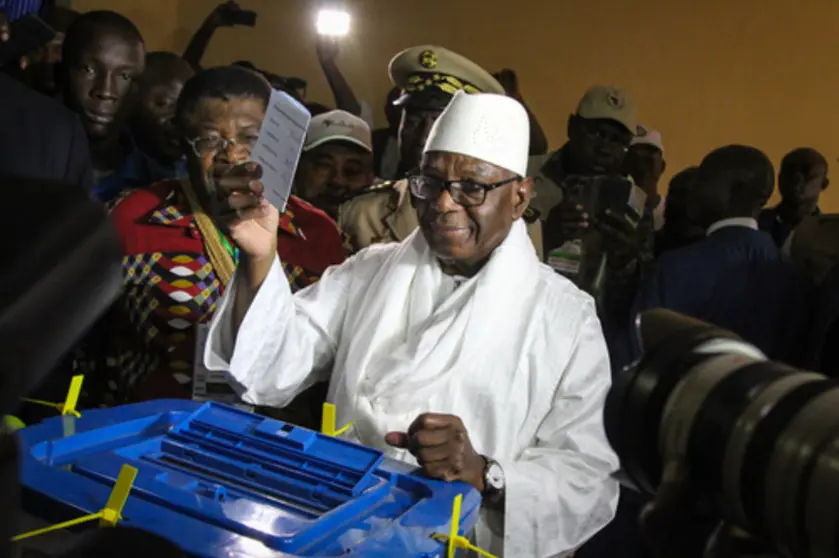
(280, 142)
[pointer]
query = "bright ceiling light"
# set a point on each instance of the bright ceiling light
(333, 23)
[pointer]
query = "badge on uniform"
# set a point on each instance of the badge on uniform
(565, 260)
(531, 215)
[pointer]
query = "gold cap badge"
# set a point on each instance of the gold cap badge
(428, 59)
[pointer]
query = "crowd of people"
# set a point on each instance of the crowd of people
(461, 292)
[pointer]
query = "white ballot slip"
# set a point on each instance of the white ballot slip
(280, 142)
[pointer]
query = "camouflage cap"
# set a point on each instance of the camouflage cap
(609, 103)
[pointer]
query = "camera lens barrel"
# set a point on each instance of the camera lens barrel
(822, 511)
(635, 404)
(738, 472)
(789, 471)
(761, 439)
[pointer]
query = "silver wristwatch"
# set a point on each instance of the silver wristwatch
(494, 483)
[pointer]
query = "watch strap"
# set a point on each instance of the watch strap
(491, 490)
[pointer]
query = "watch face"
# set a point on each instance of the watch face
(495, 477)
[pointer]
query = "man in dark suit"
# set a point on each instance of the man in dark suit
(802, 180)
(736, 278)
(40, 138)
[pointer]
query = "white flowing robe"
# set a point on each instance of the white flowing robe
(516, 352)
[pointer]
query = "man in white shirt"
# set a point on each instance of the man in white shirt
(455, 349)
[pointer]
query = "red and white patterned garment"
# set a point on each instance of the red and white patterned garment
(145, 348)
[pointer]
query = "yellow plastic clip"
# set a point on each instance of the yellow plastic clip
(455, 541)
(68, 407)
(327, 424)
(13, 423)
(108, 516)
(116, 501)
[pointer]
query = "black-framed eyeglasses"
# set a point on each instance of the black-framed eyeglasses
(212, 145)
(467, 193)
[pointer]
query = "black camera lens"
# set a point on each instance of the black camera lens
(754, 439)
(760, 439)
(635, 404)
(718, 414)
(788, 493)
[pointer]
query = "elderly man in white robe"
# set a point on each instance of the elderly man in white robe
(455, 349)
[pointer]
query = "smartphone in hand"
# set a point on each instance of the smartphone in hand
(616, 193)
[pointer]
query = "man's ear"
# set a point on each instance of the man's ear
(522, 194)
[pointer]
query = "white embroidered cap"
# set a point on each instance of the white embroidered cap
(489, 127)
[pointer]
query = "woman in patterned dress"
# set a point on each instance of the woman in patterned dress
(176, 262)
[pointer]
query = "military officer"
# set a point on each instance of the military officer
(428, 76)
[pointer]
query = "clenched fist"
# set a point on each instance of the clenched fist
(441, 445)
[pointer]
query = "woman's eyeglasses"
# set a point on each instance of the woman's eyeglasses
(215, 144)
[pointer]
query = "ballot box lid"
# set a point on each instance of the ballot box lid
(220, 481)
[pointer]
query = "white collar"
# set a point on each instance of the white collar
(748, 222)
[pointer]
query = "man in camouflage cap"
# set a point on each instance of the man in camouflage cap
(599, 136)
(428, 76)
(604, 253)
(614, 254)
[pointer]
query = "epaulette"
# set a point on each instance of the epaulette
(531, 215)
(385, 185)
(380, 187)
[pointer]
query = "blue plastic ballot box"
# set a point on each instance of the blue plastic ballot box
(220, 481)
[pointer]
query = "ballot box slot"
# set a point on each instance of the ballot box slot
(249, 488)
(289, 450)
(301, 470)
(260, 477)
